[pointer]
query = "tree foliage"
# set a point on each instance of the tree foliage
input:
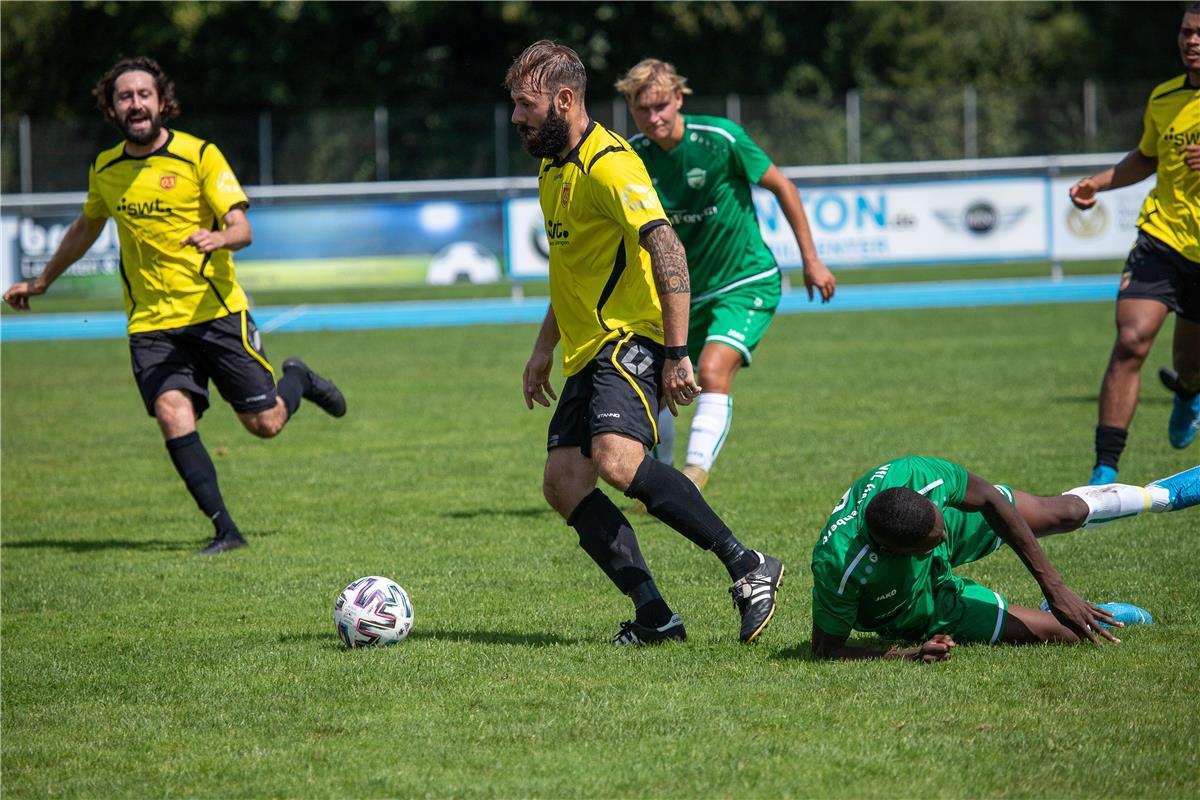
(295, 55)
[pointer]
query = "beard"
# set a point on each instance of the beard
(548, 140)
(146, 137)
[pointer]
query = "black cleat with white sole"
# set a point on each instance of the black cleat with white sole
(321, 390)
(636, 635)
(754, 596)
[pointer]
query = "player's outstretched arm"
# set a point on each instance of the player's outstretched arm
(1069, 608)
(1131, 169)
(668, 262)
(535, 380)
(81, 235)
(816, 274)
(825, 646)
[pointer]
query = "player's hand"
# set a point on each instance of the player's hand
(817, 276)
(935, 649)
(1191, 156)
(679, 385)
(1080, 616)
(535, 381)
(1083, 194)
(18, 294)
(205, 240)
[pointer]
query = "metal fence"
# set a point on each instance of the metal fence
(870, 125)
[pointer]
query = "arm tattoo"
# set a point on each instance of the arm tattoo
(668, 261)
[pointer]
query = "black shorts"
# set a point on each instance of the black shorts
(616, 393)
(1156, 271)
(228, 351)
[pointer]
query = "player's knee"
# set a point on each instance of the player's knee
(264, 426)
(1133, 343)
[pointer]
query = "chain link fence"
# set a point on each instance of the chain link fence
(871, 125)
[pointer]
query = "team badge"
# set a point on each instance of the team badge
(696, 177)
(167, 182)
(566, 195)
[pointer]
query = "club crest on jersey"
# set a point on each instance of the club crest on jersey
(566, 195)
(167, 182)
(696, 177)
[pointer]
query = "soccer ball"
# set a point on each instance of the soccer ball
(371, 611)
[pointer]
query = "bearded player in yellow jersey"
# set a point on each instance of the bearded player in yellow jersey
(1162, 273)
(619, 296)
(180, 213)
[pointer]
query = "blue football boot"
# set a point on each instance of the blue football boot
(1103, 474)
(1183, 488)
(1125, 613)
(1185, 421)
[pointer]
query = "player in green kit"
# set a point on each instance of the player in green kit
(703, 169)
(884, 561)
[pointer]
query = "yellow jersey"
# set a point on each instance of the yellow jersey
(157, 201)
(597, 202)
(1171, 211)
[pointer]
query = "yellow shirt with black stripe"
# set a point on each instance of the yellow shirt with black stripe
(1171, 212)
(597, 201)
(157, 201)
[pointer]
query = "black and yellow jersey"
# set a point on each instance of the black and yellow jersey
(158, 201)
(597, 201)
(1171, 211)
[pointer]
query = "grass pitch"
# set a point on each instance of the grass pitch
(132, 668)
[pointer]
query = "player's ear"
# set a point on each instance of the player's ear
(564, 99)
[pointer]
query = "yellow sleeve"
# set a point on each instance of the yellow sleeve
(1148, 146)
(218, 184)
(94, 206)
(624, 192)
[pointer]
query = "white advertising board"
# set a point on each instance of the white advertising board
(954, 221)
(1106, 230)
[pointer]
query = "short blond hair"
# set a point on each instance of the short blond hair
(651, 72)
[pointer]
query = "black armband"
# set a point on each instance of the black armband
(676, 353)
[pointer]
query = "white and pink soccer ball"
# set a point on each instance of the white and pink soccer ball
(373, 611)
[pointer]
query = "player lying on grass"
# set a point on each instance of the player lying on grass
(884, 562)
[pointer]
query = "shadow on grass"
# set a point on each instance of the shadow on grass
(1155, 399)
(331, 641)
(540, 511)
(96, 545)
(496, 637)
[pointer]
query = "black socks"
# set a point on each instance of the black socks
(291, 388)
(608, 538)
(193, 464)
(1110, 443)
(672, 498)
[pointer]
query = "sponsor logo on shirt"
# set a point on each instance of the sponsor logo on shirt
(691, 217)
(557, 233)
(149, 208)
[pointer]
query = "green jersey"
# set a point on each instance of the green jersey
(854, 587)
(704, 183)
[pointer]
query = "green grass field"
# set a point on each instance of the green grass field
(132, 668)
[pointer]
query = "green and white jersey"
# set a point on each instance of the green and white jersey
(856, 588)
(704, 183)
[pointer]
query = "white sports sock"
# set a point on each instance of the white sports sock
(664, 451)
(1116, 500)
(714, 413)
